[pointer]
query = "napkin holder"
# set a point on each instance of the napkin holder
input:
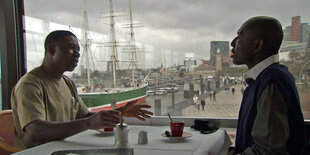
(121, 136)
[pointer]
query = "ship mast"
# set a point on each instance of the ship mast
(133, 55)
(85, 42)
(113, 42)
(132, 46)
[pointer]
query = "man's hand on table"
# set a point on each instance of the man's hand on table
(104, 119)
(133, 109)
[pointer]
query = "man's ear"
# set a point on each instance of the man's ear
(51, 48)
(258, 45)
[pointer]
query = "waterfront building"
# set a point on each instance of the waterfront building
(190, 63)
(297, 31)
(218, 62)
(222, 46)
(295, 28)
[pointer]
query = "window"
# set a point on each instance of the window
(181, 48)
(0, 85)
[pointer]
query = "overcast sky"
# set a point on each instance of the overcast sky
(178, 25)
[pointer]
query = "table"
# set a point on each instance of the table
(215, 143)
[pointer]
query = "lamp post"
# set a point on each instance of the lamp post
(302, 68)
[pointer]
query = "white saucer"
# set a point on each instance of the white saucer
(178, 139)
(105, 132)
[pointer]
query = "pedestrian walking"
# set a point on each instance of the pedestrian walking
(203, 103)
(198, 105)
(210, 95)
(242, 90)
(214, 95)
(195, 99)
(233, 91)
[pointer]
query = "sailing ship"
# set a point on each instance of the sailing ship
(109, 98)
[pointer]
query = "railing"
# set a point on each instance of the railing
(189, 121)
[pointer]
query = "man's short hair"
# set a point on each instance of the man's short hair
(55, 35)
(269, 30)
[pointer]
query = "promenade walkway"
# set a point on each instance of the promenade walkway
(225, 106)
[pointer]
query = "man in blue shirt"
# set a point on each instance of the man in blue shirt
(270, 118)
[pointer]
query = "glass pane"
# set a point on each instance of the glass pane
(166, 51)
(0, 84)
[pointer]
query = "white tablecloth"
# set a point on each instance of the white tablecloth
(215, 143)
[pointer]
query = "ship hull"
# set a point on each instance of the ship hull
(102, 101)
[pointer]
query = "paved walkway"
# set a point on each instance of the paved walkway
(225, 106)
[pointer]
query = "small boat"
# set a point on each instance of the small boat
(161, 92)
(150, 92)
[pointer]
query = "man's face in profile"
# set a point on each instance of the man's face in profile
(67, 53)
(243, 46)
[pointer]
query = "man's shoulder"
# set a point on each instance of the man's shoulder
(32, 77)
(276, 72)
(277, 67)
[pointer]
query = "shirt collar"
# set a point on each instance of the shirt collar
(258, 68)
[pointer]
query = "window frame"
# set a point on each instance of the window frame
(12, 47)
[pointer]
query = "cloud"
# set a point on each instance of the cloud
(179, 25)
